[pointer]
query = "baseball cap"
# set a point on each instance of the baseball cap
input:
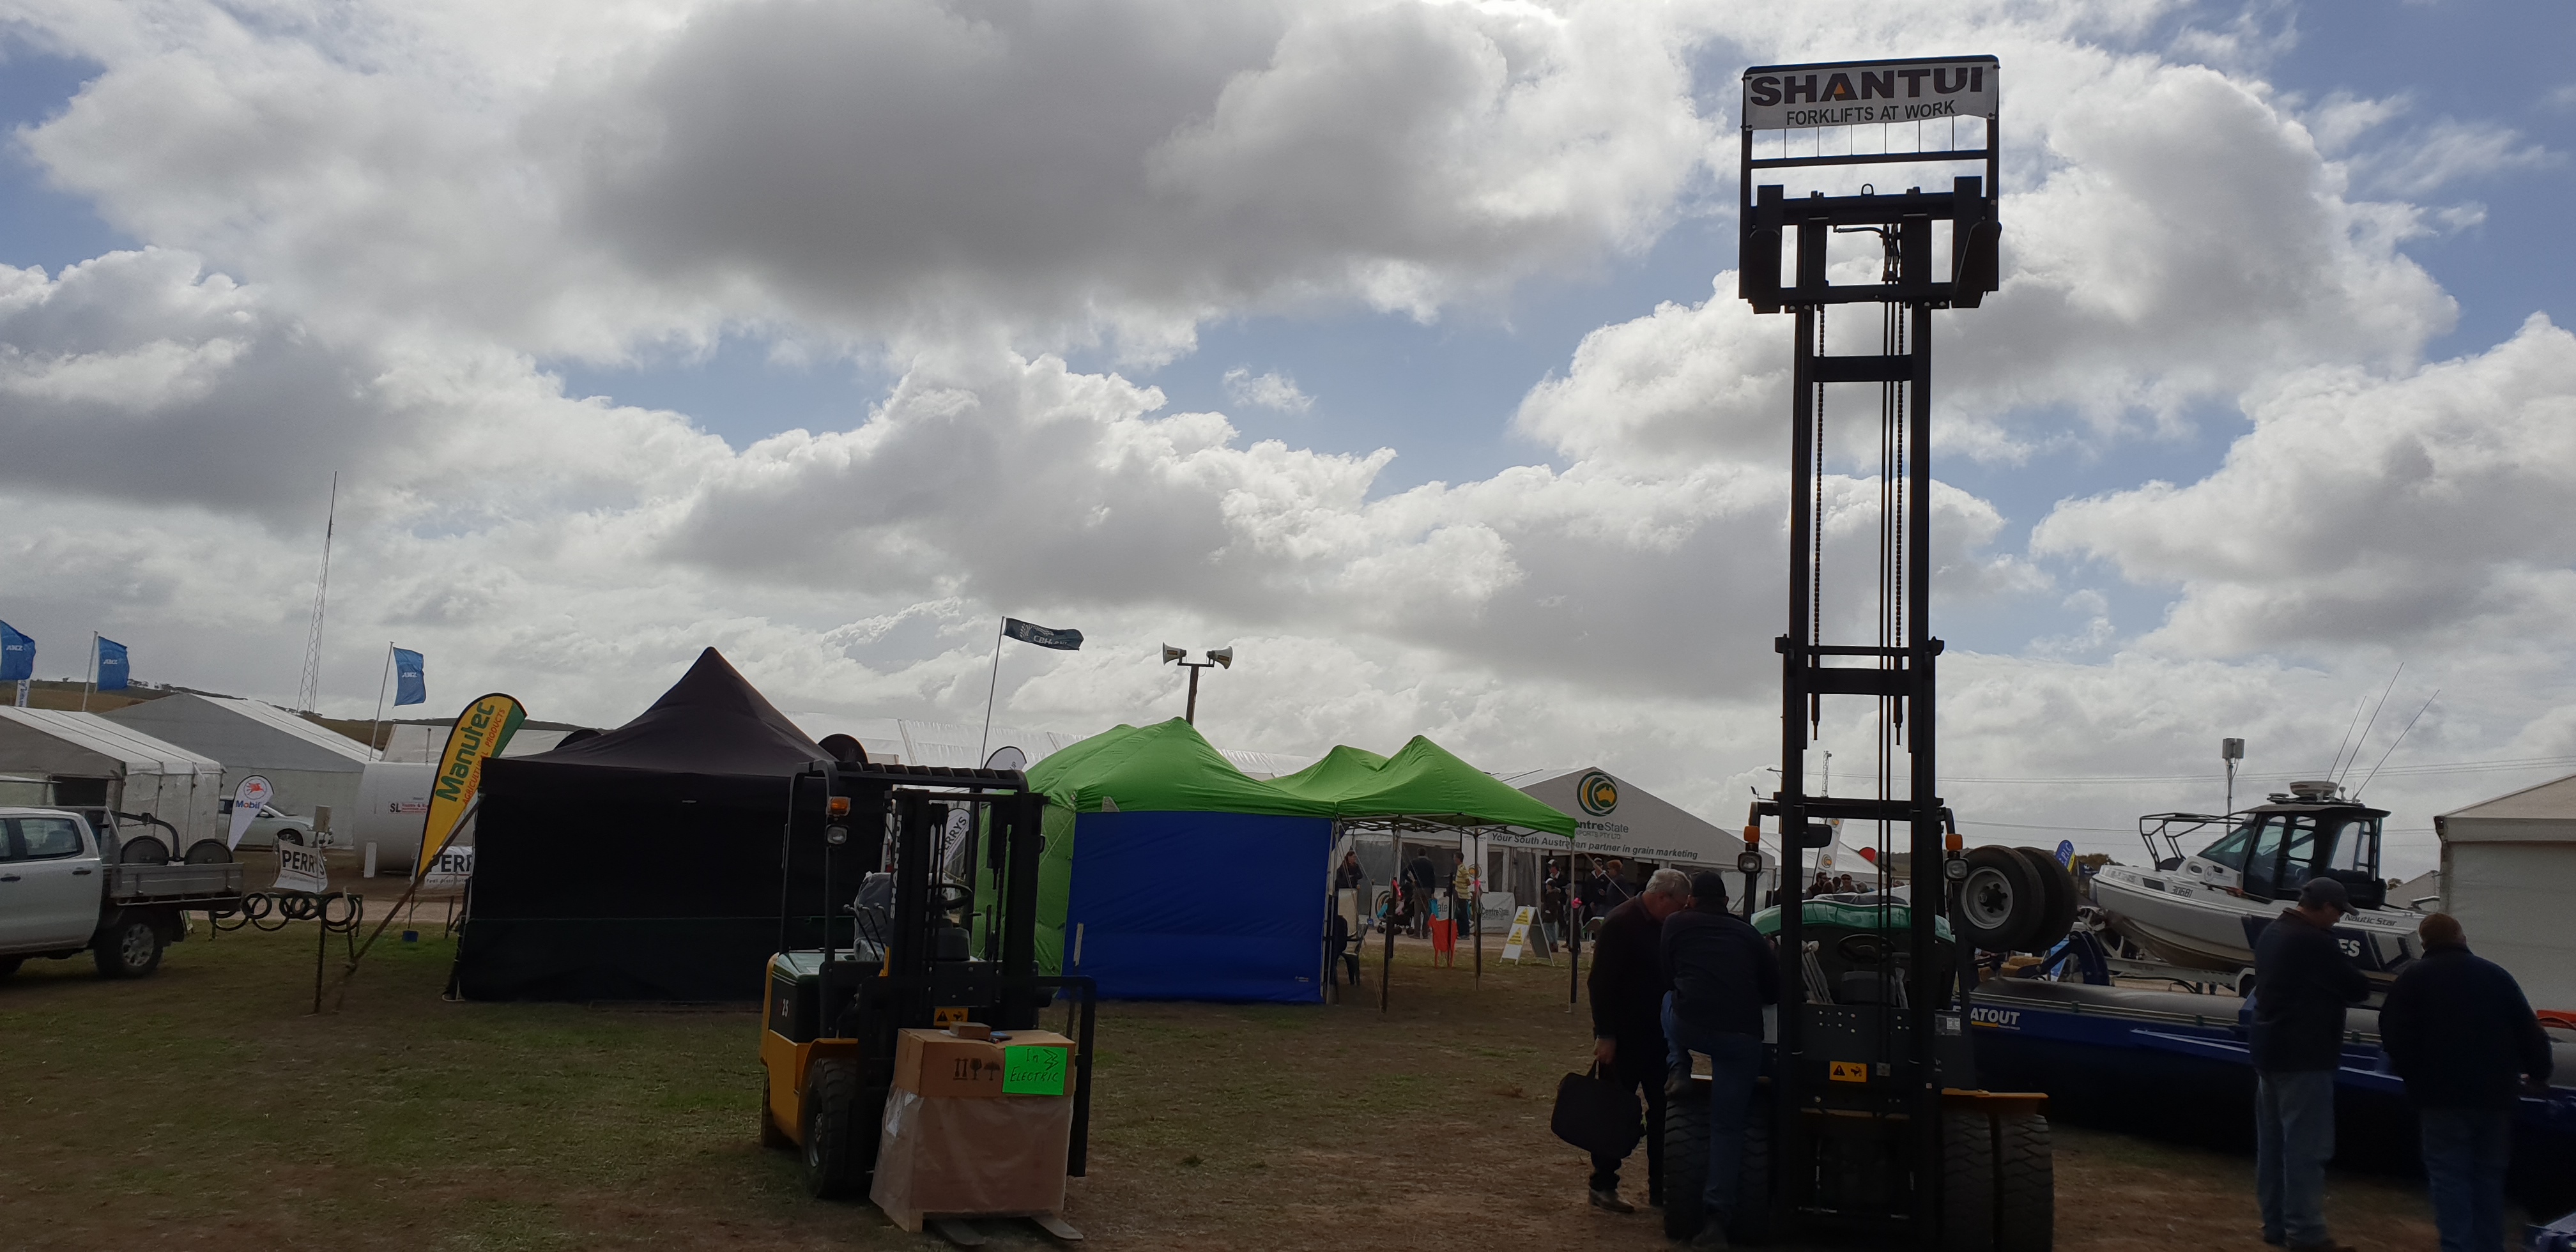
(2322, 893)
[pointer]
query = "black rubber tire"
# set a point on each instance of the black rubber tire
(2060, 888)
(9, 965)
(2001, 900)
(129, 947)
(1685, 1160)
(1967, 1181)
(143, 850)
(831, 1087)
(1752, 1222)
(770, 1134)
(2025, 1186)
(209, 852)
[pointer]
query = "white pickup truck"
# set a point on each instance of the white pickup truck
(62, 891)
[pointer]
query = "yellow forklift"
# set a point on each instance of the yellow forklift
(908, 901)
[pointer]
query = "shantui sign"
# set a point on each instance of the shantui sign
(1919, 89)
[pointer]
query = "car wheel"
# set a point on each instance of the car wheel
(127, 948)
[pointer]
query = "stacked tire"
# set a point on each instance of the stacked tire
(1998, 1183)
(2015, 900)
(1686, 1167)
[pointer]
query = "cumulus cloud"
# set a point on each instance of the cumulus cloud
(367, 231)
(1273, 390)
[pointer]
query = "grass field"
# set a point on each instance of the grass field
(206, 1108)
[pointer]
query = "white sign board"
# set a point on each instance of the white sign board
(450, 869)
(248, 799)
(1519, 938)
(1926, 89)
(300, 868)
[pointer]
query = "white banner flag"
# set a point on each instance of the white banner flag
(248, 800)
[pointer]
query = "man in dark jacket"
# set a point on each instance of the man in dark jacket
(2458, 1030)
(2302, 983)
(1722, 973)
(1627, 987)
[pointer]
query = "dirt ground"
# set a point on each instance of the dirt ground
(205, 1108)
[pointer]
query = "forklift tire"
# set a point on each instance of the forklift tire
(831, 1087)
(1686, 1161)
(770, 1134)
(1967, 1181)
(2059, 887)
(129, 947)
(2025, 1186)
(2001, 900)
(1686, 1167)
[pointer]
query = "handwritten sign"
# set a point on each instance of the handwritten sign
(1033, 1070)
(301, 869)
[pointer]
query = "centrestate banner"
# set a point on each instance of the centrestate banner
(481, 731)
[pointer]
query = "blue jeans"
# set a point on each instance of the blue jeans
(2293, 1139)
(1734, 1063)
(2465, 1152)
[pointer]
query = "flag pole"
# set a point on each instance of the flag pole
(92, 684)
(991, 688)
(381, 675)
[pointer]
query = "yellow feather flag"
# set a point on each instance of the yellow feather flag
(481, 731)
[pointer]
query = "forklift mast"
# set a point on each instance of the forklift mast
(1856, 1076)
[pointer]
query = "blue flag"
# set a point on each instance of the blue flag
(17, 655)
(112, 667)
(2066, 853)
(411, 684)
(1060, 640)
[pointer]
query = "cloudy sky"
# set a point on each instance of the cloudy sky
(1392, 343)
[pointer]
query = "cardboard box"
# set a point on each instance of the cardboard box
(1029, 1063)
(973, 1157)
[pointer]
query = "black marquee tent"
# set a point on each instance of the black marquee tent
(640, 863)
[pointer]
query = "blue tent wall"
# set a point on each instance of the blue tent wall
(1201, 906)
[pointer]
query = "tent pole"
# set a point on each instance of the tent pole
(381, 676)
(992, 687)
(1476, 914)
(1395, 893)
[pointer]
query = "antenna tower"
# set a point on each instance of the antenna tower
(310, 688)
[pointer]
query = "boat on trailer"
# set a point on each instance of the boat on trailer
(2203, 910)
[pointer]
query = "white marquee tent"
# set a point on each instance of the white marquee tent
(93, 764)
(2508, 869)
(311, 766)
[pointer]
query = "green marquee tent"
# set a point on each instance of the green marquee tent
(1170, 874)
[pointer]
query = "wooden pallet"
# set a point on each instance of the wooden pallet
(957, 1227)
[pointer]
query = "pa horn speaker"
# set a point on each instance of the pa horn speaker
(1224, 657)
(1171, 654)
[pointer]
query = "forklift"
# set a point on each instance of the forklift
(918, 909)
(1867, 1121)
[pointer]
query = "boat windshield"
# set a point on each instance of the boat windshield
(2288, 848)
(2230, 851)
(2356, 846)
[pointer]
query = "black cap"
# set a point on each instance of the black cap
(1708, 891)
(2324, 893)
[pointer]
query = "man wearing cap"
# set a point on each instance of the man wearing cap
(1722, 973)
(2302, 984)
(2457, 1028)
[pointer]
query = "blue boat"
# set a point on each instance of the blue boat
(2178, 1065)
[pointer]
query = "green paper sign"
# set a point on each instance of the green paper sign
(1033, 1070)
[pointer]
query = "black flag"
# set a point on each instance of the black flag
(1061, 640)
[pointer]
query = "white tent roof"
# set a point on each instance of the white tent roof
(244, 733)
(1623, 820)
(95, 736)
(2542, 814)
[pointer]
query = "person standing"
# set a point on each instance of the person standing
(1627, 988)
(1723, 972)
(2302, 984)
(1421, 878)
(2457, 1028)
